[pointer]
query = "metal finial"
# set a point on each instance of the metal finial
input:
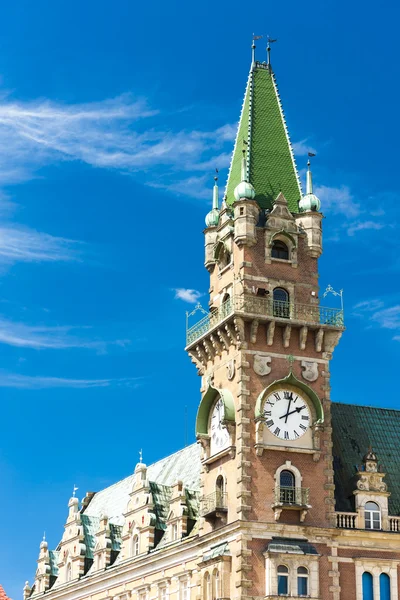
(44, 536)
(269, 42)
(290, 359)
(74, 491)
(216, 175)
(253, 47)
(140, 455)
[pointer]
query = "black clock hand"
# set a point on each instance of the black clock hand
(288, 409)
(298, 409)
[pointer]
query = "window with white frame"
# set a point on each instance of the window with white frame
(142, 594)
(372, 515)
(215, 585)
(184, 589)
(174, 531)
(69, 572)
(207, 591)
(162, 592)
(283, 580)
(376, 579)
(302, 581)
(135, 545)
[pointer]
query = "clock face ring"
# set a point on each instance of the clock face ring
(287, 414)
(218, 431)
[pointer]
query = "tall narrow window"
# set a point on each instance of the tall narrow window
(367, 586)
(162, 593)
(281, 306)
(384, 586)
(175, 531)
(279, 250)
(302, 581)
(283, 580)
(220, 492)
(69, 572)
(287, 490)
(372, 514)
(184, 590)
(135, 545)
(215, 585)
(207, 587)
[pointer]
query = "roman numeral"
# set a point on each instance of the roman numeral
(288, 395)
(270, 423)
(277, 396)
(305, 417)
(269, 402)
(267, 413)
(277, 431)
(286, 435)
(296, 435)
(303, 427)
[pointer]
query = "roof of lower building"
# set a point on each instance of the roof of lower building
(262, 131)
(355, 429)
(3, 595)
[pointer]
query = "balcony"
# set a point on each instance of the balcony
(214, 505)
(291, 498)
(257, 307)
(350, 520)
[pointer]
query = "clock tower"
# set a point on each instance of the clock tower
(263, 349)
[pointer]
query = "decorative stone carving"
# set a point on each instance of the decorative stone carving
(230, 367)
(261, 365)
(309, 370)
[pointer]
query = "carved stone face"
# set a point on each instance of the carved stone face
(287, 414)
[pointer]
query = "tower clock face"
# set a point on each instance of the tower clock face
(218, 432)
(286, 414)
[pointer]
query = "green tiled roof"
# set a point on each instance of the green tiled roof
(53, 556)
(355, 429)
(215, 551)
(271, 165)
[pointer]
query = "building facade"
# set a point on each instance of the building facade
(284, 494)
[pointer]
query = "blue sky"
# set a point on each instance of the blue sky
(113, 117)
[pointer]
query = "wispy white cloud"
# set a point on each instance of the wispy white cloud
(187, 295)
(368, 305)
(42, 337)
(14, 380)
(363, 226)
(388, 318)
(375, 311)
(28, 245)
(302, 148)
(337, 200)
(107, 134)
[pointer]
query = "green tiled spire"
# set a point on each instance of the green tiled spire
(270, 162)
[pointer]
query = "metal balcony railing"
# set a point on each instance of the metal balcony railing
(257, 306)
(292, 496)
(215, 502)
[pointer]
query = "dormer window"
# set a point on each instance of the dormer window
(135, 545)
(372, 514)
(279, 250)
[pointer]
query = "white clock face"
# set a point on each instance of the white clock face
(286, 414)
(219, 433)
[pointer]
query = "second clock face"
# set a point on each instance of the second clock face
(286, 414)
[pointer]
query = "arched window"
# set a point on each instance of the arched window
(220, 491)
(287, 487)
(279, 250)
(283, 580)
(207, 587)
(384, 586)
(372, 514)
(135, 545)
(281, 307)
(215, 585)
(302, 581)
(224, 258)
(367, 586)
(69, 572)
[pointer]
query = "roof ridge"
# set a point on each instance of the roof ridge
(397, 410)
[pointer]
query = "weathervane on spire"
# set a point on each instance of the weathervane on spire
(74, 491)
(310, 155)
(140, 456)
(253, 47)
(269, 42)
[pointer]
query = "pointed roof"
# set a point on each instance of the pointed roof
(3, 595)
(271, 167)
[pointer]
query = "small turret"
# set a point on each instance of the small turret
(309, 202)
(27, 590)
(212, 221)
(246, 210)
(309, 218)
(212, 217)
